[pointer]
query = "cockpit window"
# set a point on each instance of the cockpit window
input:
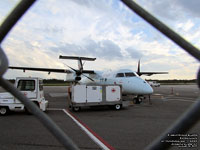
(120, 75)
(130, 74)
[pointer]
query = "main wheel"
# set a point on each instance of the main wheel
(137, 100)
(117, 106)
(4, 111)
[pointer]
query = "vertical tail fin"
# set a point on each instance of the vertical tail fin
(80, 65)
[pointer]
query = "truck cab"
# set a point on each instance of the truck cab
(154, 83)
(31, 87)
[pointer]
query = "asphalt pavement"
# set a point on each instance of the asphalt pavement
(131, 128)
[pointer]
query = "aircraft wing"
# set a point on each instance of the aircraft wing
(147, 73)
(150, 73)
(41, 69)
(49, 70)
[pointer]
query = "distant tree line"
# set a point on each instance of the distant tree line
(51, 81)
(56, 81)
(46, 81)
(175, 81)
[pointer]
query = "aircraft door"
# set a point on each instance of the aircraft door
(119, 78)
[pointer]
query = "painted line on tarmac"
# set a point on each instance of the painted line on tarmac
(191, 101)
(96, 138)
(54, 109)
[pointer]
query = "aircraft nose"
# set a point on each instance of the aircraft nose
(138, 86)
(148, 89)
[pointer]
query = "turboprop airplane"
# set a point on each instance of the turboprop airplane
(132, 83)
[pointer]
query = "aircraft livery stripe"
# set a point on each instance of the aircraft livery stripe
(94, 136)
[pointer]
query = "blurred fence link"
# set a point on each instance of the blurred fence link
(182, 125)
(191, 116)
(6, 26)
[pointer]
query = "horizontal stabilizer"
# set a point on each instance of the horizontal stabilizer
(77, 58)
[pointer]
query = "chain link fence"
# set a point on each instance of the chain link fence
(182, 125)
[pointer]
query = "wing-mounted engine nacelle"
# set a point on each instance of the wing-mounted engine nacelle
(71, 77)
(77, 78)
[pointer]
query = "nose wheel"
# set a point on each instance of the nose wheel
(138, 99)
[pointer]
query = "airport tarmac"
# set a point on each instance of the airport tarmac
(132, 128)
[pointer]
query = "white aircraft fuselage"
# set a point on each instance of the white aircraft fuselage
(132, 84)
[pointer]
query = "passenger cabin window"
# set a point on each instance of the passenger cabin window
(26, 85)
(129, 74)
(120, 75)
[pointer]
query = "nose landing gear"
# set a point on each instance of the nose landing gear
(138, 99)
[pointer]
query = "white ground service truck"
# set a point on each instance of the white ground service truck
(154, 83)
(95, 95)
(31, 87)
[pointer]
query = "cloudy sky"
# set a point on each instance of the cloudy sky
(105, 29)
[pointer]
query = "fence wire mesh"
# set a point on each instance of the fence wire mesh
(182, 125)
(7, 25)
(189, 118)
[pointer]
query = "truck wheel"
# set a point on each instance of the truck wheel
(76, 109)
(4, 111)
(117, 107)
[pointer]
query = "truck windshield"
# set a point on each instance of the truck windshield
(26, 85)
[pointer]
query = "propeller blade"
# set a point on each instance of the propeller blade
(88, 77)
(138, 69)
(71, 68)
(79, 72)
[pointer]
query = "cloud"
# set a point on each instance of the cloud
(133, 53)
(191, 6)
(104, 29)
(172, 10)
(167, 9)
(93, 4)
(105, 49)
